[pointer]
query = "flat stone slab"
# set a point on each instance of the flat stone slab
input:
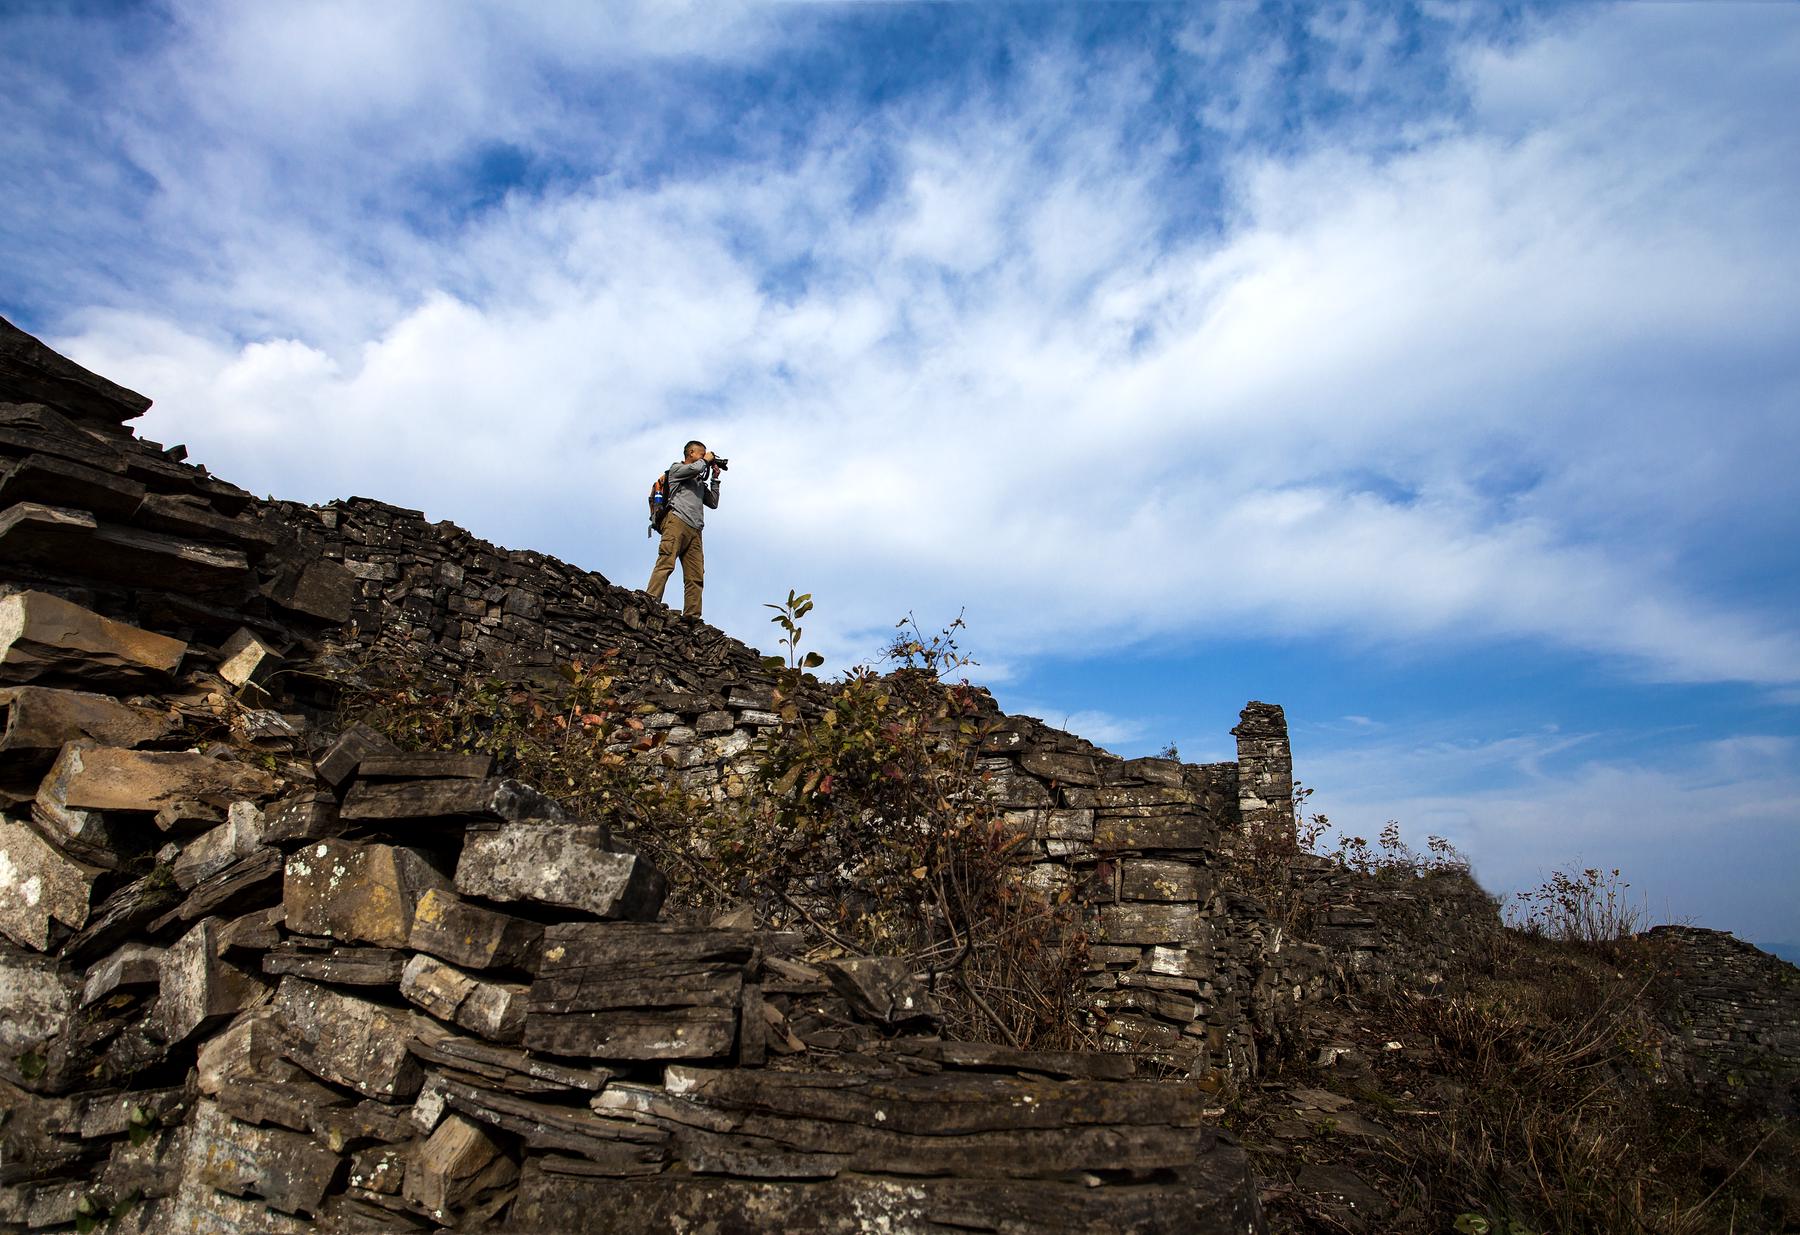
(45, 636)
(110, 778)
(40, 720)
(563, 864)
(450, 798)
(73, 542)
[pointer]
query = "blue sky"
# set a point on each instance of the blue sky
(1433, 371)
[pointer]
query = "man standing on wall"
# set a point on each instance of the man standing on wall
(689, 496)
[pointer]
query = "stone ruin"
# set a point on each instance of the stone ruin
(260, 975)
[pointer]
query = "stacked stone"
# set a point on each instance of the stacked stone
(1732, 1014)
(92, 513)
(400, 994)
(435, 596)
(1395, 930)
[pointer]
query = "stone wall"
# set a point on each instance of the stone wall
(1175, 974)
(1732, 1012)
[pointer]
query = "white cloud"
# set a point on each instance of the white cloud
(1024, 382)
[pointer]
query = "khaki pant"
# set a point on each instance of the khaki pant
(683, 542)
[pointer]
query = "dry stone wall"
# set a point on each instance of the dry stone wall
(1177, 976)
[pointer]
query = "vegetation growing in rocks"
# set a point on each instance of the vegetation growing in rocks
(867, 823)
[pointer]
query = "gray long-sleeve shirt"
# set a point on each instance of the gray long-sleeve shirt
(689, 494)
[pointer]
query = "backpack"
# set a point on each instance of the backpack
(659, 504)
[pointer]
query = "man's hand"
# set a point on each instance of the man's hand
(708, 456)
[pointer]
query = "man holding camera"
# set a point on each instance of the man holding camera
(689, 495)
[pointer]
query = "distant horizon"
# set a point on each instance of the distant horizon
(1432, 371)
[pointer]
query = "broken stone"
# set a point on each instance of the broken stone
(453, 1165)
(38, 883)
(197, 987)
(449, 798)
(380, 1168)
(88, 836)
(108, 778)
(357, 893)
(308, 815)
(257, 931)
(882, 988)
(320, 589)
(45, 636)
(473, 936)
(40, 719)
(212, 852)
(494, 1010)
(246, 658)
(349, 1041)
(560, 864)
(337, 765)
(252, 1048)
(134, 966)
(61, 540)
(238, 887)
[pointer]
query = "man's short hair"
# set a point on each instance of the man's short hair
(691, 445)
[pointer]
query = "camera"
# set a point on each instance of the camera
(721, 464)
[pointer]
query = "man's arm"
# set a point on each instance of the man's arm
(687, 471)
(711, 494)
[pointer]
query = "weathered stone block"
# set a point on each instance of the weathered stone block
(494, 1010)
(1110, 796)
(357, 893)
(246, 658)
(452, 1165)
(560, 864)
(196, 986)
(1143, 879)
(45, 636)
(36, 1004)
(211, 852)
(40, 720)
(349, 1041)
(1180, 832)
(288, 1171)
(38, 883)
(134, 966)
(444, 799)
(108, 778)
(1145, 924)
(1064, 767)
(473, 935)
